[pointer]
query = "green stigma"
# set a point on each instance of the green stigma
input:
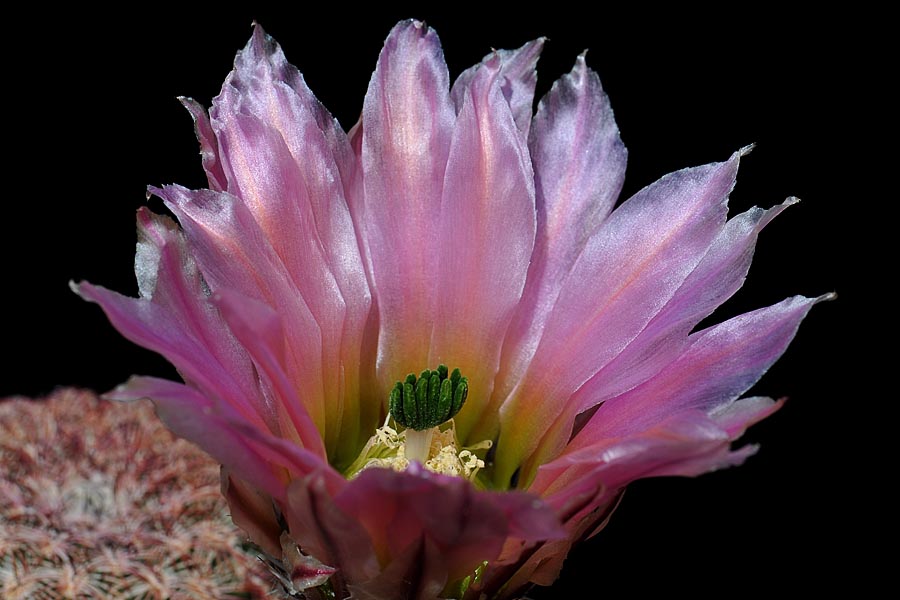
(430, 400)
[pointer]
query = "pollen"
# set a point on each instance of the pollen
(387, 449)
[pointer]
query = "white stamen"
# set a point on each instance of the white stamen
(437, 450)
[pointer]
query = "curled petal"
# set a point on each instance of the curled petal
(735, 417)
(303, 570)
(518, 78)
(175, 318)
(323, 530)
(218, 429)
(209, 145)
(686, 444)
(151, 326)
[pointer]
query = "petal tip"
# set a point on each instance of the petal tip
(75, 286)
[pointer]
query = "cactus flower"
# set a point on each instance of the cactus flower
(431, 352)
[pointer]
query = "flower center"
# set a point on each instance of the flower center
(425, 407)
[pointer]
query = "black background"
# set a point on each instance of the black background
(91, 119)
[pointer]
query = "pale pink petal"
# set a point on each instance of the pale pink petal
(168, 276)
(234, 254)
(579, 163)
(264, 84)
(629, 269)
(720, 364)
(518, 78)
(265, 175)
(407, 123)
(289, 160)
(279, 138)
(737, 416)
(487, 229)
(717, 276)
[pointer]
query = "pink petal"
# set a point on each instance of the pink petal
(198, 419)
(267, 178)
(189, 335)
(168, 276)
(281, 142)
(579, 163)
(289, 160)
(400, 511)
(584, 485)
(627, 272)
(540, 565)
(716, 277)
(487, 224)
(407, 123)
(417, 574)
(227, 437)
(253, 511)
(518, 78)
(174, 315)
(324, 531)
(258, 327)
(720, 364)
(234, 254)
(209, 146)
(687, 444)
(265, 85)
